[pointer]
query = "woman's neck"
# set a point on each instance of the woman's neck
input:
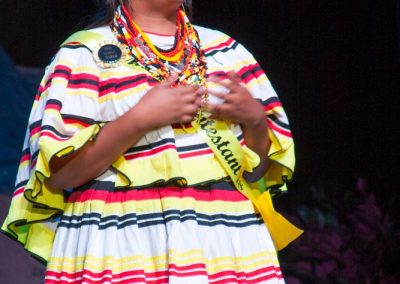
(149, 19)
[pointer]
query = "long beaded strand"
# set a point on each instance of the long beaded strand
(187, 54)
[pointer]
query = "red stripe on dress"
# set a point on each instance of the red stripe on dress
(255, 75)
(114, 88)
(75, 121)
(249, 68)
(252, 75)
(256, 276)
(39, 92)
(53, 136)
(25, 158)
(220, 74)
(33, 163)
(53, 106)
(193, 270)
(84, 76)
(133, 276)
(206, 151)
(19, 191)
(268, 269)
(197, 269)
(45, 89)
(155, 194)
(196, 153)
(63, 68)
(150, 152)
(242, 274)
(136, 276)
(219, 46)
(35, 130)
(66, 72)
(278, 129)
(83, 86)
(271, 106)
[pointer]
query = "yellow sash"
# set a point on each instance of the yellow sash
(230, 153)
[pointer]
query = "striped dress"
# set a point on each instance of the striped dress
(165, 211)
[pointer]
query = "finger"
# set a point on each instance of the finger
(219, 112)
(190, 112)
(214, 79)
(218, 117)
(233, 76)
(187, 118)
(201, 91)
(190, 109)
(215, 117)
(224, 110)
(189, 98)
(198, 101)
(213, 108)
(170, 81)
(218, 80)
(188, 89)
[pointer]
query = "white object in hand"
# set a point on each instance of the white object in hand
(216, 88)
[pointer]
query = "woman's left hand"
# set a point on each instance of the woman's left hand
(238, 104)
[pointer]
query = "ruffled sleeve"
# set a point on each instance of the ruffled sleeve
(281, 152)
(63, 119)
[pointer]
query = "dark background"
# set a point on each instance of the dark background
(334, 64)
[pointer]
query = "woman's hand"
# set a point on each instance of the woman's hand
(238, 104)
(165, 105)
(162, 105)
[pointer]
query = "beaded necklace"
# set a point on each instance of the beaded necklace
(187, 55)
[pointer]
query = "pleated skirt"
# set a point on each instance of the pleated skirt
(161, 235)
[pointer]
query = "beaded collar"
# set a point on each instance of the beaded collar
(186, 56)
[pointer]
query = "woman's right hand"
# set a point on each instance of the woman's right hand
(164, 105)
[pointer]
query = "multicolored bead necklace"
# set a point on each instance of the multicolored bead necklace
(186, 56)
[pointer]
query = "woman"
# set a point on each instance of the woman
(129, 168)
